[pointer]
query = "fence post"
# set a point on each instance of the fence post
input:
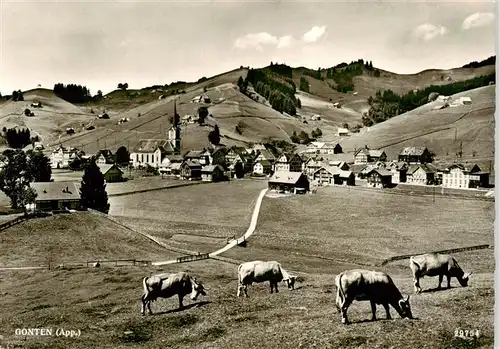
(133, 261)
(116, 262)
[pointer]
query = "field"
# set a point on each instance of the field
(314, 236)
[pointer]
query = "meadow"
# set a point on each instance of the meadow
(315, 236)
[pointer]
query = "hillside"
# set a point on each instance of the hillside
(148, 110)
(76, 237)
(442, 131)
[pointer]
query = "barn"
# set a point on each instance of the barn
(55, 196)
(111, 172)
(289, 182)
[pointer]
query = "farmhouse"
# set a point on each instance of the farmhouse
(291, 182)
(330, 148)
(151, 152)
(399, 171)
(325, 175)
(111, 172)
(379, 178)
(314, 147)
(465, 176)
(288, 162)
(212, 173)
(167, 162)
(262, 167)
(264, 154)
(61, 157)
(53, 196)
(345, 178)
(340, 164)
(311, 166)
(342, 132)
(366, 155)
(358, 170)
(421, 174)
(190, 170)
(465, 100)
(105, 156)
(200, 156)
(415, 155)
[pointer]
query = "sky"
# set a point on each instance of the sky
(102, 43)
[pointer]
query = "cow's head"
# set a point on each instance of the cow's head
(404, 304)
(197, 289)
(290, 281)
(465, 279)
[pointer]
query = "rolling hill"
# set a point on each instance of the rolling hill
(443, 131)
(148, 111)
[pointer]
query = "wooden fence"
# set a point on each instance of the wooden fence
(192, 258)
(12, 222)
(454, 250)
(122, 262)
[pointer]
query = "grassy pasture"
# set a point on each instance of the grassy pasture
(334, 229)
(74, 237)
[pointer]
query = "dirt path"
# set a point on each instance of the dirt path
(249, 232)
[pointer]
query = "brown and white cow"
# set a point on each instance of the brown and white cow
(374, 286)
(259, 271)
(434, 264)
(168, 285)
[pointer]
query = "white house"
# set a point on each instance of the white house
(150, 152)
(61, 157)
(443, 99)
(342, 132)
(465, 100)
(465, 176)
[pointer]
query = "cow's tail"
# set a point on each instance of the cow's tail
(145, 287)
(339, 300)
(240, 281)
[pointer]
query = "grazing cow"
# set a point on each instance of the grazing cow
(258, 271)
(434, 264)
(376, 287)
(168, 285)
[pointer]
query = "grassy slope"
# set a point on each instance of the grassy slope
(104, 303)
(73, 238)
(435, 129)
(49, 121)
(230, 108)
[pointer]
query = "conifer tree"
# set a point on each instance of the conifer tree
(93, 189)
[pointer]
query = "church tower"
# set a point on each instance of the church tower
(174, 132)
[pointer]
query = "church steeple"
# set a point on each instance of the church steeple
(174, 133)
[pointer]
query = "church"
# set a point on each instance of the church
(158, 152)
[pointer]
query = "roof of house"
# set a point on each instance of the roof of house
(468, 167)
(266, 154)
(106, 167)
(316, 145)
(428, 168)
(175, 165)
(345, 174)
(342, 130)
(151, 145)
(264, 163)
(173, 158)
(397, 165)
(413, 151)
(285, 177)
(288, 156)
(375, 153)
(211, 168)
(357, 168)
(194, 153)
(56, 190)
(381, 171)
(330, 169)
(105, 152)
(192, 164)
(346, 157)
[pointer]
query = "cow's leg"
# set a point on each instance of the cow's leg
(416, 284)
(271, 284)
(343, 309)
(440, 281)
(374, 310)
(387, 311)
(245, 290)
(143, 306)
(180, 301)
(276, 286)
(448, 277)
(239, 290)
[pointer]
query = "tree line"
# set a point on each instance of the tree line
(72, 93)
(387, 104)
(488, 61)
(275, 84)
(17, 138)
